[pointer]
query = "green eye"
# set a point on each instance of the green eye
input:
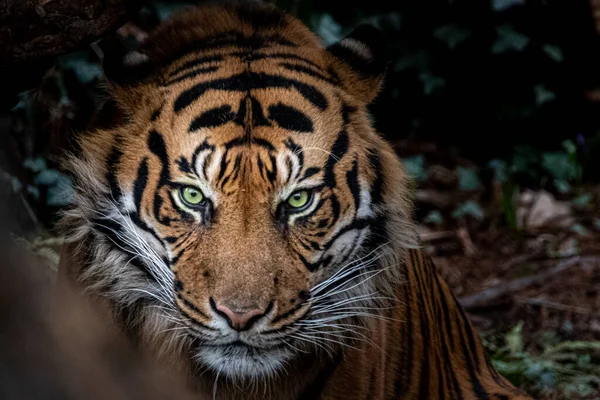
(299, 199)
(191, 196)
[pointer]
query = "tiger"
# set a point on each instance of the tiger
(250, 228)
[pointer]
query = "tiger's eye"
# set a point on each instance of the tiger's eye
(191, 195)
(299, 199)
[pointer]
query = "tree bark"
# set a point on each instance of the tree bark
(34, 32)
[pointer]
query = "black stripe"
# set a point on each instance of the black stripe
(195, 321)
(247, 81)
(194, 63)
(112, 165)
(155, 115)
(280, 55)
(446, 313)
(192, 74)
(212, 118)
(157, 146)
(139, 185)
(403, 376)
(339, 148)
(470, 334)
(465, 328)
(310, 172)
(307, 71)
(377, 187)
(288, 313)
(297, 150)
(112, 230)
(352, 180)
(290, 118)
(424, 322)
(191, 306)
(201, 147)
(184, 165)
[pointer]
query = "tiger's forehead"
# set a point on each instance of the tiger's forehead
(271, 99)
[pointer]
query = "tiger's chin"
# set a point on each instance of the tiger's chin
(241, 362)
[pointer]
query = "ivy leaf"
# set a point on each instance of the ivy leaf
(499, 167)
(35, 164)
(434, 217)
(85, 70)
(514, 339)
(500, 5)
(468, 179)
(582, 200)
(509, 39)
(553, 52)
(327, 28)
(430, 82)
(451, 34)
(468, 208)
(415, 166)
(543, 94)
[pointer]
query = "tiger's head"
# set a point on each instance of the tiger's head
(243, 211)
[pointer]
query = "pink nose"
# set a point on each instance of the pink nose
(239, 320)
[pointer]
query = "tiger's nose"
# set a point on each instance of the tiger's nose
(238, 319)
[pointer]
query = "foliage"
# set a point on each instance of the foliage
(569, 368)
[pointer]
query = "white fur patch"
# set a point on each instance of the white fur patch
(358, 48)
(135, 58)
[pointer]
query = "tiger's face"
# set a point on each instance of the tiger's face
(247, 190)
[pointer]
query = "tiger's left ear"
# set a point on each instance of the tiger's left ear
(360, 61)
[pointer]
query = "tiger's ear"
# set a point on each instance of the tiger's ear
(125, 64)
(360, 62)
(128, 71)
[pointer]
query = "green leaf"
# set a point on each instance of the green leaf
(35, 164)
(553, 52)
(499, 167)
(468, 179)
(559, 166)
(580, 230)
(415, 166)
(391, 21)
(85, 70)
(434, 217)
(582, 200)
(514, 339)
(562, 186)
(430, 82)
(500, 5)
(451, 34)
(327, 28)
(543, 94)
(508, 39)
(468, 208)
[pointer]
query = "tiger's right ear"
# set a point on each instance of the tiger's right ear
(127, 70)
(360, 61)
(124, 64)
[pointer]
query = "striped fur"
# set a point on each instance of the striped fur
(242, 103)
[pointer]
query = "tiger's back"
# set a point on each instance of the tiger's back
(246, 200)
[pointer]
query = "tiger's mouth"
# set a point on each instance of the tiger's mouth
(241, 360)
